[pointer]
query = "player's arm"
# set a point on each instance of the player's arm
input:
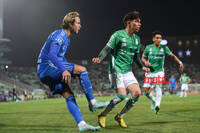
(144, 60)
(178, 61)
(180, 80)
(189, 81)
(176, 84)
(139, 62)
(168, 52)
(144, 57)
(107, 49)
(104, 52)
(54, 49)
(170, 85)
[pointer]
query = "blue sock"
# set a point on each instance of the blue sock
(74, 109)
(86, 85)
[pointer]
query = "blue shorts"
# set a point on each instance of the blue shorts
(52, 77)
(172, 87)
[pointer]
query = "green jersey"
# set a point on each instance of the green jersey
(123, 50)
(156, 56)
(184, 79)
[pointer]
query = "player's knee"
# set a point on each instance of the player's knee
(137, 93)
(146, 89)
(67, 94)
(82, 68)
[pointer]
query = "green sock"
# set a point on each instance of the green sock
(150, 96)
(129, 104)
(117, 99)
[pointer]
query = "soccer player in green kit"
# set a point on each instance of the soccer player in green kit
(153, 57)
(185, 80)
(124, 47)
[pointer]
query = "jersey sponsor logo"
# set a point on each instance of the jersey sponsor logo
(155, 57)
(156, 80)
(125, 52)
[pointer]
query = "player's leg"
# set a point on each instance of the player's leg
(135, 92)
(74, 109)
(158, 97)
(148, 89)
(87, 88)
(186, 90)
(175, 90)
(182, 90)
(148, 93)
(121, 95)
(133, 87)
(158, 90)
(117, 82)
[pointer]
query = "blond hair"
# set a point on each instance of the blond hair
(69, 19)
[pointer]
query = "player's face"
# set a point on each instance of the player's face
(76, 26)
(134, 25)
(157, 39)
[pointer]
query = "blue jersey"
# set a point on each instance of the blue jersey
(53, 51)
(173, 82)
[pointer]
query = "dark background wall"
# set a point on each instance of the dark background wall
(29, 22)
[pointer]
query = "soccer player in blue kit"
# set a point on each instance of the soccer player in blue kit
(54, 70)
(173, 84)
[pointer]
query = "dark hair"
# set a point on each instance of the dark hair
(131, 16)
(156, 33)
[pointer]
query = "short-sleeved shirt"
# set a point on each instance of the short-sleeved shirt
(172, 82)
(184, 79)
(156, 56)
(124, 47)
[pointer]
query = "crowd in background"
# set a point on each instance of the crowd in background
(22, 83)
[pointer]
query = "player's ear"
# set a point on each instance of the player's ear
(128, 22)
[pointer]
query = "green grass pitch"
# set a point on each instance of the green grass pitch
(177, 115)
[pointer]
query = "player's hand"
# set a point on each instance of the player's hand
(66, 76)
(147, 63)
(96, 60)
(181, 66)
(146, 69)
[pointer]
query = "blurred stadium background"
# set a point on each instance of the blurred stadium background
(23, 31)
(25, 25)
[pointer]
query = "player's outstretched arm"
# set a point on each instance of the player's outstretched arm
(104, 52)
(178, 61)
(139, 63)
